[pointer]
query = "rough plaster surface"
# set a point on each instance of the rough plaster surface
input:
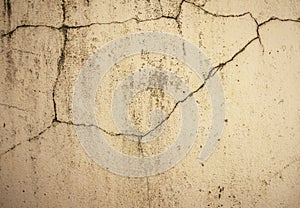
(255, 47)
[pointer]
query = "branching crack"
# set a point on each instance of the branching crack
(258, 25)
(201, 7)
(238, 15)
(176, 18)
(179, 23)
(64, 29)
(67, 27)
(257, 32)
(210, 74)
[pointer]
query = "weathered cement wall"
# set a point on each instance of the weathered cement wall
(253, 46)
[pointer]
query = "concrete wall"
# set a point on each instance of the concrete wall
(253, 48)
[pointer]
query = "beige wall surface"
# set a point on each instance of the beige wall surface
(242, 113)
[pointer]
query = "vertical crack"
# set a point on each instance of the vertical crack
(7, 11)
(179, 23)
(60, 67)
(176, 18)
(61, 59)
(63, 7)
(8, 7)
(257, 31)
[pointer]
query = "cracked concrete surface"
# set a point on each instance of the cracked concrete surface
(254, 47)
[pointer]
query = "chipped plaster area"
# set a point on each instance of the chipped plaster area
(253, 47)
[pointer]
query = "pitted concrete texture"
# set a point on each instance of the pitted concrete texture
(253, 46)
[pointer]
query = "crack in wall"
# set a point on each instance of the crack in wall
(176, 17)
(61, 61)
(60, 64)
(214, 14)
(258, 25)
(36, 137)
(67, 27)
(10, 33)
(273, 18)
(14, 107)
(7, 9)
(64, 29)
(211, 73)
(97, 127)
(279, 172)
(239, 15)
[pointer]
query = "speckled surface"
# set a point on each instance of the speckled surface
(255, 47)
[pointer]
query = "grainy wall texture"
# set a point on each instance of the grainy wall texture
(254, 50)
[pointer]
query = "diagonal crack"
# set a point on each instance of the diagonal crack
(201, 7)
(278, 19)
(279, 172)
(9, 34)
(36, 137)
(64, 29)
(211, 73)
(14, 107)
